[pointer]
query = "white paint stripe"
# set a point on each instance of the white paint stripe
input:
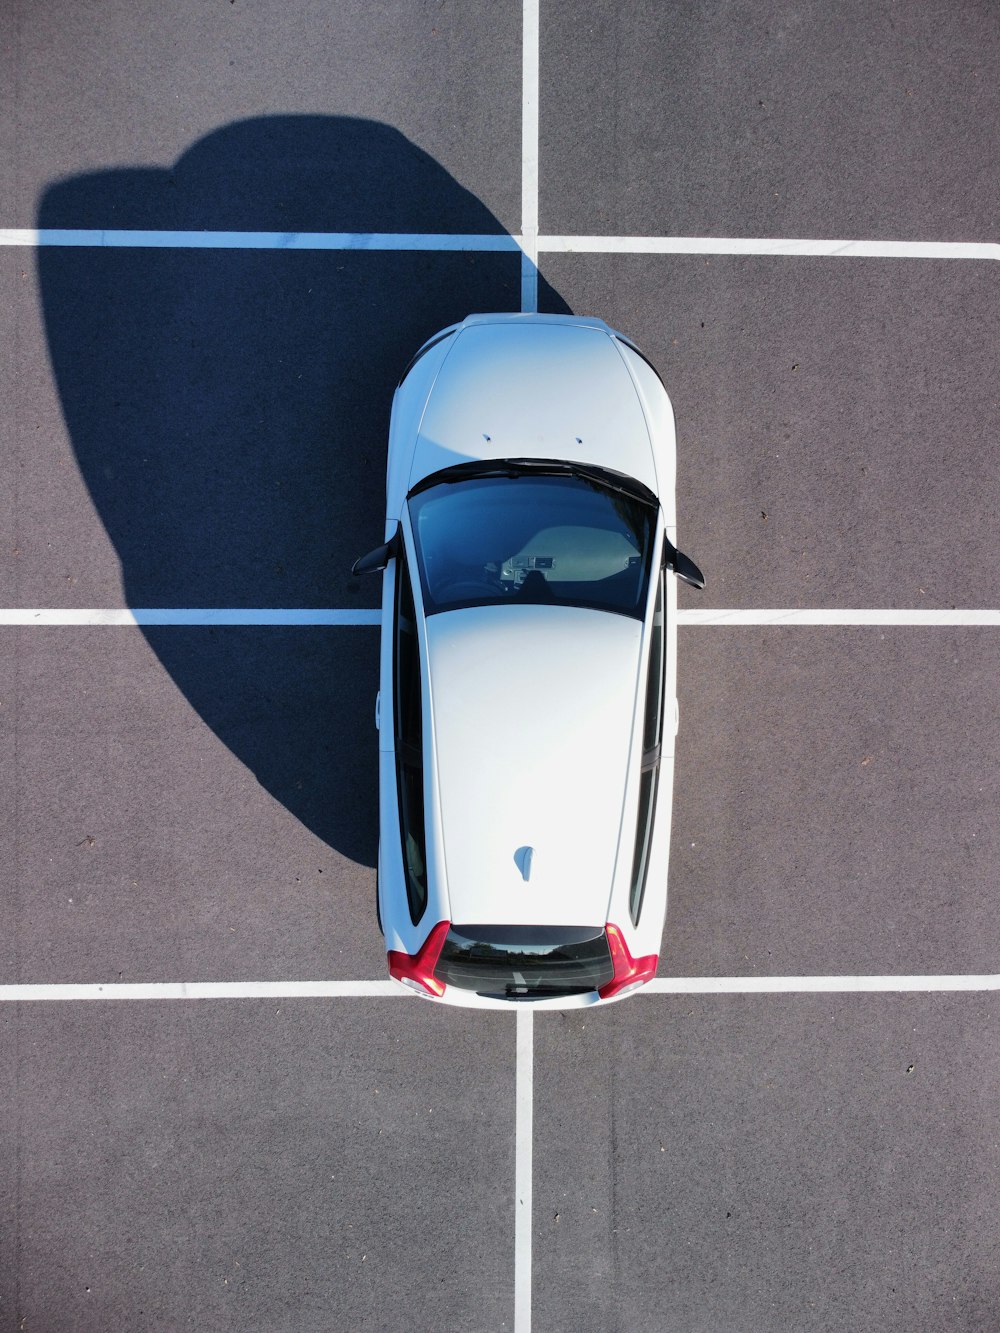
(206, 990)
(327, 990)
(258, 240)
(793, 247)
(821, 616)
(523, 1133)
(529, 242)
(817, 985)
(210, 615)
(529, 157)
(198, 616)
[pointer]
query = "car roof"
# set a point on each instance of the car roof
(533, 711)
(534, 387)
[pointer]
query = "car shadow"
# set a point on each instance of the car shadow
(229, 411)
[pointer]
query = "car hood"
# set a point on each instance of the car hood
(532, 716)
(534, 389)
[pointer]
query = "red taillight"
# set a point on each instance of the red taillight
(629, 972)
(417, 970)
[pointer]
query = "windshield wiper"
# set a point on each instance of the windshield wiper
(523, 467)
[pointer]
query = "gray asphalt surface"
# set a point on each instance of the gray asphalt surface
(263, 1165)
(836, 803)
(837, 421)
(768, 1163)
(208, 429)
(826, 118)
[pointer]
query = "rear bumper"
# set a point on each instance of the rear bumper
(465, 999)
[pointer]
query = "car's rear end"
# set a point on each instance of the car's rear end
(558, 967)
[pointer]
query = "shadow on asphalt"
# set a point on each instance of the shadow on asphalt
(229, 410)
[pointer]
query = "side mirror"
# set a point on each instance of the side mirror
(379, 558)
(682, 565)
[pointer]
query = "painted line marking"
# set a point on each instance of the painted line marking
(387, 989)
(529, 157)
(818, 985)
(778, 247)
(523, 1133)
(206, 990)
(832, 616)
(198, 616)
(530, 243)
(208, 616)
(258, 240)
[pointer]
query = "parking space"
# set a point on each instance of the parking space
(205, 428)
(138, 86)
(160, 460)
(836, 420)
(761, 119)
(258, 1165)
(835, 799)
(227, 413)
(180, 816)
(755, 1163)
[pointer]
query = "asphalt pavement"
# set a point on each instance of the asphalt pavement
(206, 428)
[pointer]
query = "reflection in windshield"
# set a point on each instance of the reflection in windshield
(533, 538)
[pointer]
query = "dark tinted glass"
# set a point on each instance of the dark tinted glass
(643, 837)
(651, 736)
(410, 780)
(407, 717)
(654, 676)
(525, 962)
(409, 747)
(535, 538)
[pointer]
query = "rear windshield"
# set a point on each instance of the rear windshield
(533, 538)
(525, 962)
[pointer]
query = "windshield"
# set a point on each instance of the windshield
(525, 962)
(532, 537)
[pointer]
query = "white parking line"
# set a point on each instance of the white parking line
(529, 157)
(530, 243)
(818, 985)
(49, 992)
(199, 616)
(208, 616)
(257, 240)
(524, 1109)
(205, 990)
(778, 247)
(833, 616)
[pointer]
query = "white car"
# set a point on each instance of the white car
(527, 711)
